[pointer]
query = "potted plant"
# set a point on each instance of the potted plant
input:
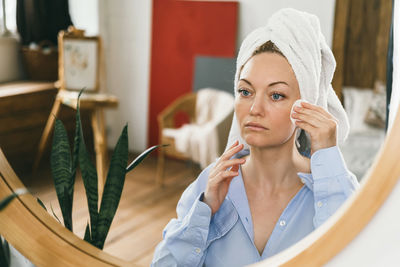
(64, 165)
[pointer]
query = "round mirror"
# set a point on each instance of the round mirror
(145, 209)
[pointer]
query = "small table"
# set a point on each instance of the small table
(24, 107)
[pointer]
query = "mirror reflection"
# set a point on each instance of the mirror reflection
(281, 170)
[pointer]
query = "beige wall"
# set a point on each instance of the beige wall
(126, 28)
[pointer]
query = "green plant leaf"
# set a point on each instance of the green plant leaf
(54, 214)
(4, 253)
(141, 157)
(41, 203)
(89, 177)
(113, 188)
(67, 207)
(77, 141)
(87, 234)
(61, 171)
(89, 173)
(5, 201)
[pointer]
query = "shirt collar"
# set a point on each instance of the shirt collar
(307, 179)
(237, 194)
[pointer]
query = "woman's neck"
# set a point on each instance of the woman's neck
(274, 169)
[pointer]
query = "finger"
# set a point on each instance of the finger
(224, 165)
(234, 144)
(222, 176)
(232, 151)
(313, 120)
(305, 126)
(315, 108)
(230, 163)
(228, 180)
(326, 126)
(316, 120)
(309, 115)
(318, 109)
(311, 112)
(235, 168)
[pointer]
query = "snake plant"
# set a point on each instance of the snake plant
(64, 166)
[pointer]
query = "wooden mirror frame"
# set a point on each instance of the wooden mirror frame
(45, 242)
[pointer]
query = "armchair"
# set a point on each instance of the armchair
(204, 138)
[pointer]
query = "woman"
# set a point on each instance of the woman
(264, 194)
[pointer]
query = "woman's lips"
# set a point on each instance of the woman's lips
(255, 126)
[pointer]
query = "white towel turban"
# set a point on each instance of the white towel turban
(298, 36)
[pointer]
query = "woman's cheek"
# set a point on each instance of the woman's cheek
(281, 114)
(242, 108)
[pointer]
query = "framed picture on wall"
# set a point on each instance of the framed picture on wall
(79, 63)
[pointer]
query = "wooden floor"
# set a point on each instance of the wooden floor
(143, 212)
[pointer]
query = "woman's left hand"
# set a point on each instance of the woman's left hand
(319, 123)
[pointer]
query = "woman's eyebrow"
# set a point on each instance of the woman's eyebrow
(246, 81)
(269, 85)
(278, 82)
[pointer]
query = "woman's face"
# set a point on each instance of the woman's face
(267, 89)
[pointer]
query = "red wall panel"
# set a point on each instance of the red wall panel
(181, 30)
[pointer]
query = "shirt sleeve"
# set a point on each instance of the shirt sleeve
(333, 183)
(185, 238)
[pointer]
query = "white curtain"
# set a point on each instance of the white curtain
(11, 7)
(395, 98)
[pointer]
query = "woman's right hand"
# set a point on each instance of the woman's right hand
(221, 176)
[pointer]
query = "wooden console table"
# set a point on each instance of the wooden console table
(24, 109)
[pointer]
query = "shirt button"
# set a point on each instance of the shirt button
(198, 250)
(319, 204)
(282, 223)
(303, 180)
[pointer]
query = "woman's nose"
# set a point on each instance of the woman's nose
(257, 107)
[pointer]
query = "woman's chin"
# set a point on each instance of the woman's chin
(255, 141)
(263, 142)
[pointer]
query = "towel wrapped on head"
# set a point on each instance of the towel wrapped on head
(298, 36)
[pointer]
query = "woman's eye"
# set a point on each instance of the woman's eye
(244, 92)
(276, 96)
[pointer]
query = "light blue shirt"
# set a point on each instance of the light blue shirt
(196, 238)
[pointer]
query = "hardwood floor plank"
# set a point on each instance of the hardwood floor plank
(143, 212)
